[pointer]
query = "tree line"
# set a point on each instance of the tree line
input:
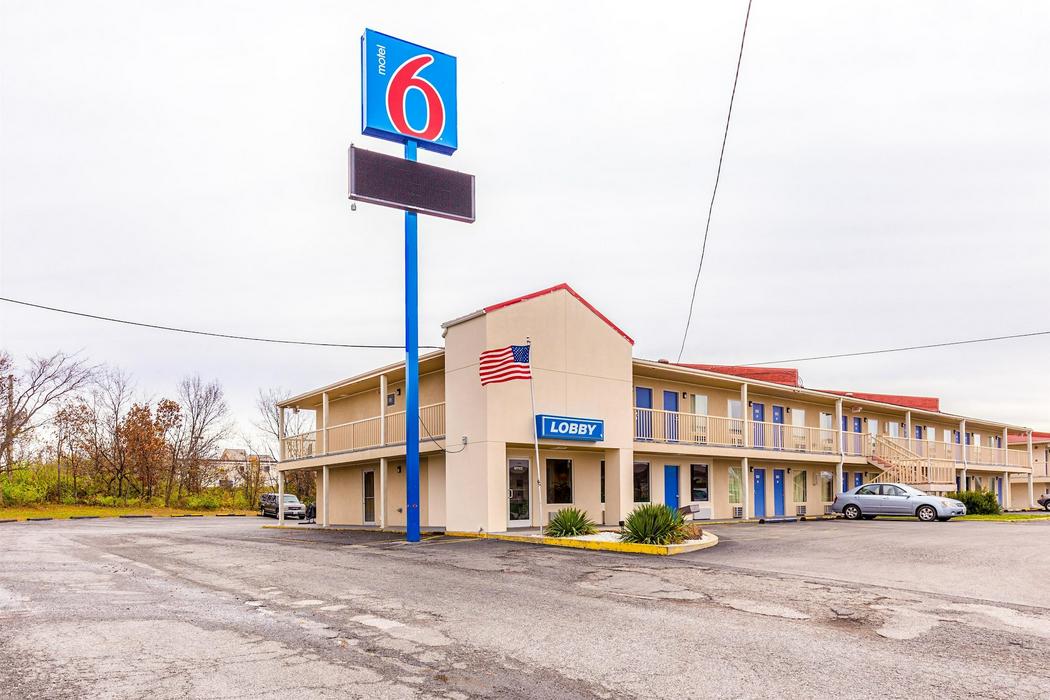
(74, 432)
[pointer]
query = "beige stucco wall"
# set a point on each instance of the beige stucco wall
(581, 367)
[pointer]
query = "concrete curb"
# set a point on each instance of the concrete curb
(708, 540)
(37, 520)
(9, 520)
(84, 517)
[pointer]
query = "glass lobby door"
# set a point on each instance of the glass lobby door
(518, 490)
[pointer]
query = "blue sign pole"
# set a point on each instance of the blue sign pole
(411, 366)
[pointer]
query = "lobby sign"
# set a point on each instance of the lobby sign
(568, 428)
(408, 92)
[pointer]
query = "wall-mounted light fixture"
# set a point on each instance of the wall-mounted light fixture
(399, 469)
(685, 394)
(399, 391)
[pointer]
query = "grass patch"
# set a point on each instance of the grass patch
(1006, 516)
(65, 511)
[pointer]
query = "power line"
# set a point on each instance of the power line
(228, 336)
(714, 190)
(903, 349)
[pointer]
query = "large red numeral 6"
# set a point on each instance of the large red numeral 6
(406, 78)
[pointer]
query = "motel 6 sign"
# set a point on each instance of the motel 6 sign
(408, 92)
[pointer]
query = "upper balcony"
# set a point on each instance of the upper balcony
(688, 429)
(364, 434)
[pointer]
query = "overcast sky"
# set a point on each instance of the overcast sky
(887, 182)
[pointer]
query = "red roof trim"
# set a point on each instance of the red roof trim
(777, 375)
(551, 290)
(922, 403)
(1037, 436)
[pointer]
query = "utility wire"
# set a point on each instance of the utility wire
(228, 336)
(903, 349)
(714, 190)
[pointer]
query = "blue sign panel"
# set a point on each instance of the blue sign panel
(565, 428)
(408, 92)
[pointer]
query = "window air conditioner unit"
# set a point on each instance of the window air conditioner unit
(827, 509)
(738, 511)
(800, 510)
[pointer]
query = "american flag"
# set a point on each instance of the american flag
(504, 364)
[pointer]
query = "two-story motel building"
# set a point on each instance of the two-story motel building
(738, 442)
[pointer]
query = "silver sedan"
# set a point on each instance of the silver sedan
(870, 500)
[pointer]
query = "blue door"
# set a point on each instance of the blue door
(760, 493)
(671, 421)
(671, 485)
(845, 479)
(758, 415)
(958, 483)
(845, 440)
(778, 430)
(856, 435)
(643, 420)
(778, 492)
(999, 489)
(858, 479)
(919, 447)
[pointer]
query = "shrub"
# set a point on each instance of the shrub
(570, 522)
(978, 502)
(203, 501)
(654, 523)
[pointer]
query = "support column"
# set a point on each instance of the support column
(745, 488)
(841, 433)
(964, 480)
(619, 484)
(1007, 501)
(1004, 453)
(908, 431)
(745, 415)
(324, 426)
(280, 498)
(1031, 469)
(382, 409)
(962, 441)
(324, 486)
(382, 490)
(280, 432)
(838, 478)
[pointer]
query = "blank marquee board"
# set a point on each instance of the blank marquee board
(411, 185)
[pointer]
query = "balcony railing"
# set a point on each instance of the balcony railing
(365, 434)
(655, 425)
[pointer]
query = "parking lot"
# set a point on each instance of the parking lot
(211, 607)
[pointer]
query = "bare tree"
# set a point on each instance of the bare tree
(206, 420)
(27, 394)
(110, 402)
(295, 422)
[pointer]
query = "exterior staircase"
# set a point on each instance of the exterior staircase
(901, 465)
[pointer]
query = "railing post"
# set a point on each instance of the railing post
(1004, 453)
(324, 428)
(962, 441)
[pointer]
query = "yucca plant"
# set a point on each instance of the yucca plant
(570, 522)
(654, 523)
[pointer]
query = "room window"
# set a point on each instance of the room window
(389, 399)
(827, 486)
(698, 485)
(735, 487)
(559, 481)
(736, 412)
(641, 482)
(894, 429)
(700, 404)
(873, 426)
(601, 480)
(798, 431)
(800, 487)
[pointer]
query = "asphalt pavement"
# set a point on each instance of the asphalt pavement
(222, 608)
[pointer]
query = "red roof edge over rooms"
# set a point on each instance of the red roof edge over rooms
(776, 375)
(556, 288)
(1037, 436)
(922, 403)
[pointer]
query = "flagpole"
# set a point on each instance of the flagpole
(535, 438)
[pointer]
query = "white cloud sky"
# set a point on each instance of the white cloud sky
(887, 182)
